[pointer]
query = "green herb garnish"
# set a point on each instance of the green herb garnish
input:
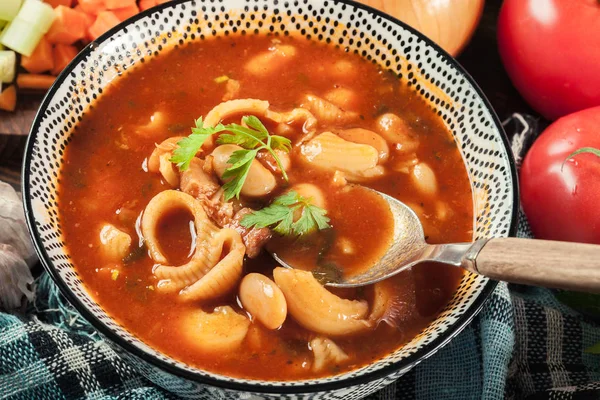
(253, 137)
(280, 215)
(189, 146)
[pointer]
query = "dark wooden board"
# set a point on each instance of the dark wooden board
(19, 122)
(480, 59)
(14, 128)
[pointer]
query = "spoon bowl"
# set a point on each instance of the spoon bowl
(561, 265)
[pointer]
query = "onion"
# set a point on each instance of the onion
(449, 23)
(16, 251)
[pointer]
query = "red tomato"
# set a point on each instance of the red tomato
(562, 201)
(551, 51)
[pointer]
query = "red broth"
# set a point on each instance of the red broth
(104, 180)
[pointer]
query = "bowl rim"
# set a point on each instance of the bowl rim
(268, 387)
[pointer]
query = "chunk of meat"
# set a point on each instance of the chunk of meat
(327, 112)
(196, 182)
(219, 211)
(254, 238)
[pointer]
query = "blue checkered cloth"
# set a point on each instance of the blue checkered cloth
(523, 344)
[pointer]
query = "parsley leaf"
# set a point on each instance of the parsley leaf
(252, 135)
(241, 136)
(267, 216)
(255, 124)
(281, 143)
(281, 214)
(288, 199)
(189, 146)
(241, 161)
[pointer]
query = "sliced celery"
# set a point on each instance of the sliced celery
(2, 25)
(9, 9)
(8, 66)
(21, 37)
(38, 14)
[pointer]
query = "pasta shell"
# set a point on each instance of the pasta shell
(267, 62)
(329, 151)
(115, 243)
(229, 108)
(365, 136)
(207, 274)
(165, 147)
(232, 107)
(317, 309)
(225, 275)
(221, 331)
(167, 170)
(367, 174)
(300, 115)
(326, 352)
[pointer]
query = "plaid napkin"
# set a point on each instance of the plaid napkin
(524, 344)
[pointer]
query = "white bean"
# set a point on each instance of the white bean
(115, 242)
(395, 130)
(365, 136)
(259, 182)
(312, 192)
(424, 179)
(342, 97)
(263, 299)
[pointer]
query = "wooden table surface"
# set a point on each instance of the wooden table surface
(480, 59)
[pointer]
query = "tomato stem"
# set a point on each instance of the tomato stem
(591, 150)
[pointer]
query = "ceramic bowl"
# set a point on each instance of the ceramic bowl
(426, 68)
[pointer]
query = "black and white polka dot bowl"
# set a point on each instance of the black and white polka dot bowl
(426, 68)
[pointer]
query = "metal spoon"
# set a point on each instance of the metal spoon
(562, 265)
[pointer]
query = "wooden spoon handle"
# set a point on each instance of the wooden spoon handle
(546, 263)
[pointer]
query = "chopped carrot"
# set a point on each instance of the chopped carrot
(90, 18)
(162, 1)
(146, 4)
(56, 3)
(63, 54)
(34, 81)
(68, 27)
(115, 4)
(8, 98)
(92, 6)
(40, 60)
(105, 21)
(127, 12)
